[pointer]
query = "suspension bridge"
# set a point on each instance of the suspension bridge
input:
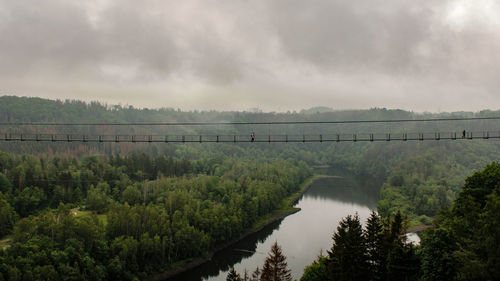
(328, 136)
(269, 138)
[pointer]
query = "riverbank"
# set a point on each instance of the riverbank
(286, 210)
(294, 198)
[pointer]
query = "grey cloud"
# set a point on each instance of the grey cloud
(54, 32)
(359, 35)
(131, 35)
(279, 54)
(59, 36)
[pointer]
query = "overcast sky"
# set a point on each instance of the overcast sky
(277, 55)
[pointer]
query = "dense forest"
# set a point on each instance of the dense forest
(463, 245)
(111, 211)
(126, 217)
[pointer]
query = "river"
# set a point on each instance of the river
(302, 235)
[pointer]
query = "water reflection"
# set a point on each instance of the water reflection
(302, 235)
(344, 189)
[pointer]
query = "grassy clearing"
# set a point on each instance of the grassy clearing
(78, 213)
(81, 214)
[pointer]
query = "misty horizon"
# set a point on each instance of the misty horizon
(310, 110)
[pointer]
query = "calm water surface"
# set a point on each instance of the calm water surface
(303, 235)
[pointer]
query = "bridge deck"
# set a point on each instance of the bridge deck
(363, 137)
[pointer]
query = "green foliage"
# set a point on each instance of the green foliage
(317, 271)
(97, 199)
(162, 220)
(347, 257)
(422, 185)
(29, 200)
(402, 262)
(375, 247)
(437, 258)
(132, 195)
(397, 180)
(7, 216)
(54, 246)
(5, 185)
(380, 252)
(465, 243)
(275, 267)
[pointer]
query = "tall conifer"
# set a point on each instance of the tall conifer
(374, 240)
(275, 267)
(348, 259)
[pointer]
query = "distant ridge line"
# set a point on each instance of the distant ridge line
(245, 123)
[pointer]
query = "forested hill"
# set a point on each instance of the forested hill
(362, 157)
(420, 177)
(25, 109)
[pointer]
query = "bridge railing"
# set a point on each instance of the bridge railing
(259, 138)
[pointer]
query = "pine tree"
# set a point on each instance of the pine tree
(275, 267)
(402, 262)
(374, 240)
(348, 258)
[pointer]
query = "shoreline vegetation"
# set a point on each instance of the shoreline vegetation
(286, 210)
